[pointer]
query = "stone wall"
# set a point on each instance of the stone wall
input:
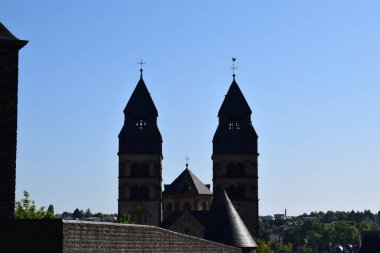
(77, 236)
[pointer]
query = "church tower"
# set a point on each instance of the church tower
(9, 51)
(235, 156)
(140, 156)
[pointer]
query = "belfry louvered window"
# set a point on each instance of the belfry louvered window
(140, 122)
(234, 123)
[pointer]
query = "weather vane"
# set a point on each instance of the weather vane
(233, 67)
(187, 162)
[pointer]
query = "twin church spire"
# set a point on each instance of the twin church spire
(140, 157)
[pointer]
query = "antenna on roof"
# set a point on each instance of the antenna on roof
(233, 67)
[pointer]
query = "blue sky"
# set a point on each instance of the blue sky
(308, 69)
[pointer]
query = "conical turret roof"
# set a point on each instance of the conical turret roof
(141, 102)
(234, 102)
(225, 225)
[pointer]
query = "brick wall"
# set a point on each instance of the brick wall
(76, 236)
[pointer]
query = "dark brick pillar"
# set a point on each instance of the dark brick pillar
(9, 47)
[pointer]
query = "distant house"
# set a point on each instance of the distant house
(267, 217)
(97, 219)
(276, 236)
(280, 216)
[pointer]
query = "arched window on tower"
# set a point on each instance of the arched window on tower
(140, 122)
(234, 123)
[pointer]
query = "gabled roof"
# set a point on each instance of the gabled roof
(234, 102)
(6, 37)
(186, 182)
(140, 101)
(225, 224)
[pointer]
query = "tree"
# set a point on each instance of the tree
(26, 209)
(262, 246)
(87, 213)
(78, 214)
(345, 233)
(100, 215)
(51, 209)
(125, 218)
(281, 247)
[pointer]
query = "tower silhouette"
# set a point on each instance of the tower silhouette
(9, 50)
(140, 156)
(235, 156)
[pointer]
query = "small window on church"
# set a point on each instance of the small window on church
(234, 123)
(140, 122)
(204, 206)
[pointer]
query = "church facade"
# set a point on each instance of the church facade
(187, 199)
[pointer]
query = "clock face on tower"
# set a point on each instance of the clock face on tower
(139, 208)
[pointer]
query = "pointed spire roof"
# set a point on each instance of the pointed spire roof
(186, 182)
(140, 101)
(234, 102)
(225, 225)
(6, 37)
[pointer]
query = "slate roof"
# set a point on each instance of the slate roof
(7, 38)
(225, 225)
(186, 182)
(234, 102)
(201, 216)
(141, 102)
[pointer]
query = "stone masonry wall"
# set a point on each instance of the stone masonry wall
(57, 236)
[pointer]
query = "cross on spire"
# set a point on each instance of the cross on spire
(141, 69)
(187, 162)
(233, 67)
